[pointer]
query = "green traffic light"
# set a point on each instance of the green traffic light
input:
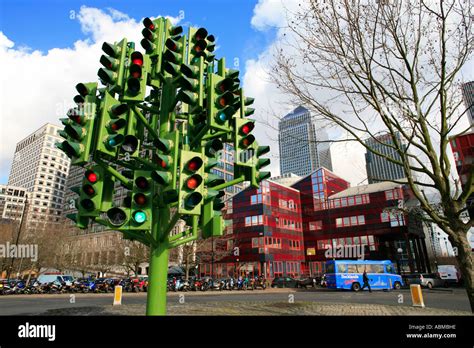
(139, 217)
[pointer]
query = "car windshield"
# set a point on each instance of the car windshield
(68, 278)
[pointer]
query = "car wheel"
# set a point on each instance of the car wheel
(430, 286)
(355, 287)
(397, 285)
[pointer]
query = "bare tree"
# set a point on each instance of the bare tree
(372, 67)
(131, 255)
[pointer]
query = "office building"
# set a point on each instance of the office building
(379, 168)
(303, 144)
(361, 215)
(12, 203)
(42, 170)
(268, 234)
(468, 96)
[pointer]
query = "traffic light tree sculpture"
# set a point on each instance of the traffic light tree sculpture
(157, 126)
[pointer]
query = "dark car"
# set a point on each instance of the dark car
(284, 282)
(306, 282)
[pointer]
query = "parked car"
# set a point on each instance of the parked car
(450, 274)
(306, 282)
(428, 280)
(284, 282)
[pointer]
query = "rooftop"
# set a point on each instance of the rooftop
(364, 189)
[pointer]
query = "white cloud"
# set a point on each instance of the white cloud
(38, 87)
(268, 14)
(348, 158)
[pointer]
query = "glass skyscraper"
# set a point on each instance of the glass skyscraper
(303, 146)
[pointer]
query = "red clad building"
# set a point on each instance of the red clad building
(463, 151)
(285, 231)
(337, 215)
(267, 232)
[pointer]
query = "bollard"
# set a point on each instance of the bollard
(118, 295)
(416, 295)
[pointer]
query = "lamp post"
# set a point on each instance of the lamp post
(399, 257)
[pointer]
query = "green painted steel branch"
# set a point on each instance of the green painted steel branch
(180, 235)
(214, 135)
(170, 226)
(147, 108)
(229, 183)
(127, 182)
(194, 234)
(144, 121)
(150, 238)
(198, 137)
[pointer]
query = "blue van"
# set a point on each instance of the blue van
(347, 274)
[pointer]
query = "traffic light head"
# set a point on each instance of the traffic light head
(117, 216)
(112, 124)
(190, 182)
(79, 126)
(113, 64)
(141, 204)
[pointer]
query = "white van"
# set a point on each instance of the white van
(449, 273)
(48, 278)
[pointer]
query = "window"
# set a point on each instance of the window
(384, 217)
(315, 225)
(397, 219)
(352, 269)
(341, 268)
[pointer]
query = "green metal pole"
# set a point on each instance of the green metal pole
(158, 271)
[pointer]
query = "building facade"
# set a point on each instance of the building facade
(379, 168)
(42, 170)
(13, 202)
(468, 97)
(303, 144)
(463, 151)
(360, 216)
(268, 235)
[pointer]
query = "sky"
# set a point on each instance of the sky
(47, 47)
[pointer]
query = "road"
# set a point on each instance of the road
(454, 299)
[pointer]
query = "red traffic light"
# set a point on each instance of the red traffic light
(247, 128)
(137, 58)
(193, 182)
(140, 199)
(142, 183)
(194, 164)
(91, 176)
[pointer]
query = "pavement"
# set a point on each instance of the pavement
(258, 302)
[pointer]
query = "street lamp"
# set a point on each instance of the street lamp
(399, 257)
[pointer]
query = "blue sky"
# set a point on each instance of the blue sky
(47, 24)
(45, 34)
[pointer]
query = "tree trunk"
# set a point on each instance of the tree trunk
(464, 257)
